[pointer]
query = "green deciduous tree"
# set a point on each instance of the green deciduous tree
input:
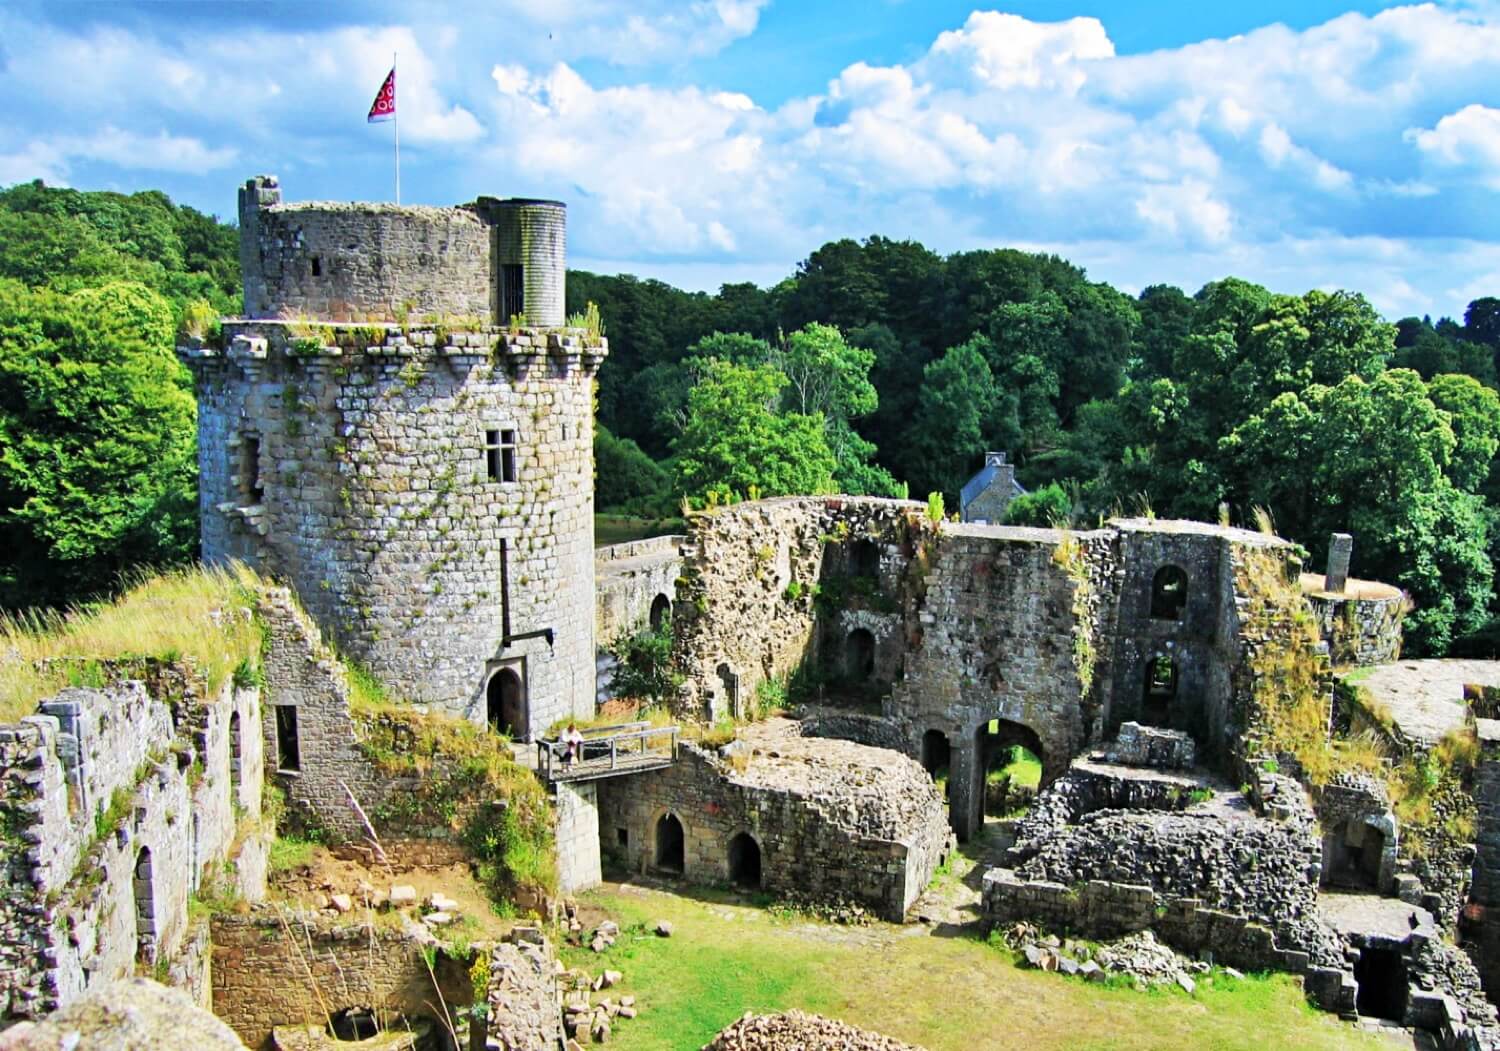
(733, 441)
(97, 451)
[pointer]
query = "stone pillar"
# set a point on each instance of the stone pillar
(966, 785)
(578, 866)
(1340, 548)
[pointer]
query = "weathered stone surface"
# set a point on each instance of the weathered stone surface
(135, 1014)
(827, 819)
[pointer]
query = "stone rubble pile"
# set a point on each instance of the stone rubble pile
(800, 1031)
(586, 1018)
(1137, 956)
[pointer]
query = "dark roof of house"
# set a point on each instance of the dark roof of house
(981, 481)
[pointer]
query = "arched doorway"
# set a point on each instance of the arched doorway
(859, 656)
(661, 612)
(937, 755)
(145, 907)
(506, 704)
(1168, 593)
(1010, 760)
(1160, 691)
(744, 862)
(669, 844)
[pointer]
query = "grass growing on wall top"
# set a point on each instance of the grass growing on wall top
(198, 616)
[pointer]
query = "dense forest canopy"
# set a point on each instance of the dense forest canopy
(878, 367)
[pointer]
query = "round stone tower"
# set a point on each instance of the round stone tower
(424, 481)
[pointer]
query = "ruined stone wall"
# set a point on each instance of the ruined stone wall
(272, 967)
(1481, 917)
(353, 465)
(999, 634)
(116, 802)
(813, 843)
(1360, 631)
(524, 997)
(361, 262)
(758, 576)
(628, 579)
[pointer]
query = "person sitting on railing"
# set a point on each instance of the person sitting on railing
(573, 742)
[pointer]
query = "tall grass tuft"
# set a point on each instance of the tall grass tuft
(201, 617)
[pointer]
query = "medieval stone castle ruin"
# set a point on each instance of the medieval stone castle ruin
(399, 430)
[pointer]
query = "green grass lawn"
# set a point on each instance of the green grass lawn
(724, 959)
(618, 529)
(1022, 768)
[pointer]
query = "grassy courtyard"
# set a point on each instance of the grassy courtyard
(726, 957)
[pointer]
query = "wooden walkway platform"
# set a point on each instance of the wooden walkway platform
(610, 751)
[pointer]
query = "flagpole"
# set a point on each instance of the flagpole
(396, 125)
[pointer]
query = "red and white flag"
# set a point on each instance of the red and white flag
(384, 106)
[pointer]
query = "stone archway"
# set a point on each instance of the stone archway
(669, 853)
(1168, 593)
(661, 612)
(744, 862)
(505, 704)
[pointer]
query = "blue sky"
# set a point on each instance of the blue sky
(1300, 145)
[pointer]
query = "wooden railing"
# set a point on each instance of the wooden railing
(607, 750)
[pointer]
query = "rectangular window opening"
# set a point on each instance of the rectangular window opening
(622, 836)
(251, 490)
(500, 455)
(288, 753)
(512, 291)
(317, 267)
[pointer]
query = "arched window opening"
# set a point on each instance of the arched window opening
(729, 684)
(145, 907)
(234, 750)
(1161, 690)
(744, 862)
(1168, 593)
(661, 612)
(1010, 756)
(864, 560)
(669, 844)
(859, 656)
(505, 704)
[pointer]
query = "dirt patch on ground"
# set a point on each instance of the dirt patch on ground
(315, 883)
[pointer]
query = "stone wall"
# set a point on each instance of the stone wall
(427, 492)
(524, 997)
(360, 262)
(831, 820)
(578, 862)
(1360, 631)
(272, 967)
(978, 637)
(1003, 620)
(757, 578)
(630, 580)
(115, 803)
(1104, 909)
(1481, 916)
